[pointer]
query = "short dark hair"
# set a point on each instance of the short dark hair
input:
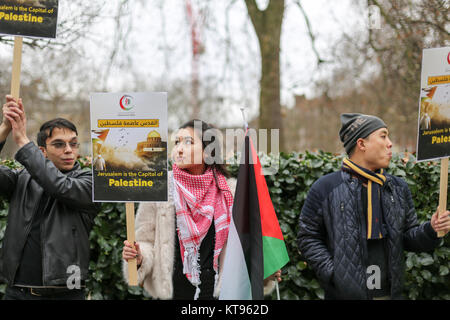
(46, 129)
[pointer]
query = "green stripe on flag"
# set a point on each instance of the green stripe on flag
(274, 254)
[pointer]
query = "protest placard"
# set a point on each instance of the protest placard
(129, 153)
(433, 137)
(32, 18)
(29, 18)
(129, 146)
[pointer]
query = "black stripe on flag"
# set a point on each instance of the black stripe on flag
(247, 220)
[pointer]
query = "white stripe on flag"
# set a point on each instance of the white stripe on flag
(235, 278)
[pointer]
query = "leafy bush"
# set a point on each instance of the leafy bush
(427, 275)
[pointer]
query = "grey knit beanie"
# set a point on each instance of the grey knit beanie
(355, 126)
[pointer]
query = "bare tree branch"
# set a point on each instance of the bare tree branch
(310, 32)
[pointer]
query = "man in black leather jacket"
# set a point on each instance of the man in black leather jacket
(356, 223)
(45, 251)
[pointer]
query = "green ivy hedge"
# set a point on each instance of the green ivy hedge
(427, 274)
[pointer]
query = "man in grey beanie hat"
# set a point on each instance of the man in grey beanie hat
(355, 126)
(356, 223)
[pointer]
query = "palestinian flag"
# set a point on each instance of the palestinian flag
(255, 247)
(98, 137)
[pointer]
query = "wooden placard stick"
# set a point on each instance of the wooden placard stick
(16, 67)
(132, 263)
(443, 185)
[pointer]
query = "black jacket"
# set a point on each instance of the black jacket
(64, 230)
(332, 234)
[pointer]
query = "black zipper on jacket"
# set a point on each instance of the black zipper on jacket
(363, 241)
(387, 247)
(388, 254)
(359, 214)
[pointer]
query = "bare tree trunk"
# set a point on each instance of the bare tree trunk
(267, 26)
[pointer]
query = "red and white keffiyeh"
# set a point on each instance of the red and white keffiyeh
(198, 201)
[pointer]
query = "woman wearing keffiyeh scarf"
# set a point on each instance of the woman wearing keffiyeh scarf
(201, 200)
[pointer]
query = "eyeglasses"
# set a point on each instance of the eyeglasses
(60, 145)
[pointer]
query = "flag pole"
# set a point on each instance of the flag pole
(278, 289)
(243, 117)
(443, 185)
(246, 128)
(17, 63)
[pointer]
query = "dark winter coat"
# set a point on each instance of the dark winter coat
(332, 234)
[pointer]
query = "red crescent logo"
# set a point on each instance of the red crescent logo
(125, 101)
(448, 58)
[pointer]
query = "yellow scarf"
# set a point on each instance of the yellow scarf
(375, 180)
